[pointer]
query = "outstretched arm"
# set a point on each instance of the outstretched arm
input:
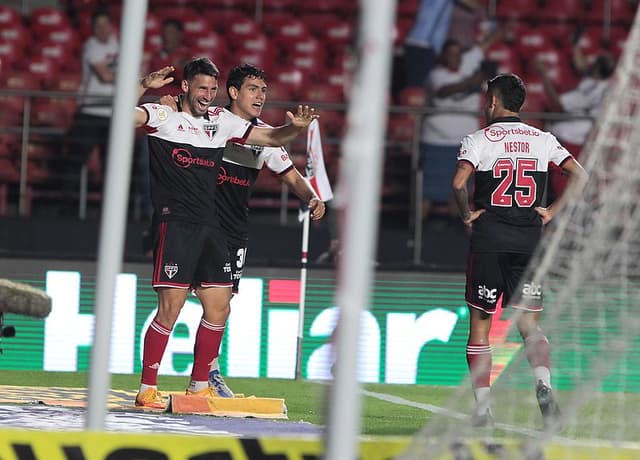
(282, 135)
(300, 186)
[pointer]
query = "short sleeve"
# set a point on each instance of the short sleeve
(468, 151)
(277, 159)
(558, 154)
(158, 114)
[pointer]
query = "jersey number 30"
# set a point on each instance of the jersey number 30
(524, 192)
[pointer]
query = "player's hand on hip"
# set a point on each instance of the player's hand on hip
(303, 117)
(158, 79)
(473, 215)
(545, 214)
(317, 208)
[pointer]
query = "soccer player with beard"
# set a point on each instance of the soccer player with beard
(247, 91)
(190, 250)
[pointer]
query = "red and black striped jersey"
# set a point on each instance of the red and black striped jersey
(511, 161)
(185, 154)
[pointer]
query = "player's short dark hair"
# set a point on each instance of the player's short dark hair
(200, 66)
(510, 89)
(238, 74)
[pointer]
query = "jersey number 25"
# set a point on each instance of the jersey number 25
(525, 189)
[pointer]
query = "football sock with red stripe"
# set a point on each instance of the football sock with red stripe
(155, 343)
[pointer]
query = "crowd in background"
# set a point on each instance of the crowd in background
(565, 56)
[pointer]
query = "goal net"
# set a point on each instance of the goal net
(589, 260)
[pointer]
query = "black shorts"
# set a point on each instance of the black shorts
(237, 256)
(189, 255)
(494, 277)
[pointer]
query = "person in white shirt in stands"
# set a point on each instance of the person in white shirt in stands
(90, 127)
(453, 85)
(583, 100)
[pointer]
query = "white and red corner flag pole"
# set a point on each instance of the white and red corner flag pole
(317, 176)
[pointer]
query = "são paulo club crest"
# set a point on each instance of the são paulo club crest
(170, 269)
(210, 129)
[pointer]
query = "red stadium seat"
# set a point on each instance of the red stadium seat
(278, 5)
(401, 127)
(591, 41)
(506, 57)
(16, 33)
(46, 19)
(622, 11)
(194, 26)
(44, 69)
(408, 8)
(412, 96)
(291, 77)
(519, 9)
(10, 53)
(564, 11)
(9, 16)
(278, 92)
(536, 100)
(241, 29)
(310, 64)
(531, 40)
(332, 122)
(53, 112)
(289, 31)
(213, 45)
(322, 92)
(20, 80)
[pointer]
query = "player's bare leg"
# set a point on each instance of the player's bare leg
(538, 355)
(479, 360)
(170, 302)
(215, 303)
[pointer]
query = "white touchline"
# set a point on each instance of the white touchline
(452, 414)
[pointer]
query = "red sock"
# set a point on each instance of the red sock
(155, 343)
(479, 361)
(537, 351)
(207, 347)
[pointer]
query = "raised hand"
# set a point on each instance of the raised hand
(303, 117)
(157, 79)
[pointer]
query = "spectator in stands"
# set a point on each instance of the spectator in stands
(584, 101)
(425, 40)
(454, 84)
(173, 52)
(90, 127)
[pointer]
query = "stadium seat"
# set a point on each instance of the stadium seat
(9, 16)
(564, 11)
(408, 8)
(289, 76)
(401, 127)
(45, 19)
(412, 96)
(16, 33)
(277, 91)
(213, 45)
(506, 57)
(622, 11)
(19, 80)
(518, 9)
(53, 112)
(286, 32)
(338, 7)
(241, 29)
(536, 100)
(278, 5)
(323, 93)
(310, 64)
(194, 26)
(10, 53)
(532, 40)
(44, 69)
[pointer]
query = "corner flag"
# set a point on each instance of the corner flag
(315, 170)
